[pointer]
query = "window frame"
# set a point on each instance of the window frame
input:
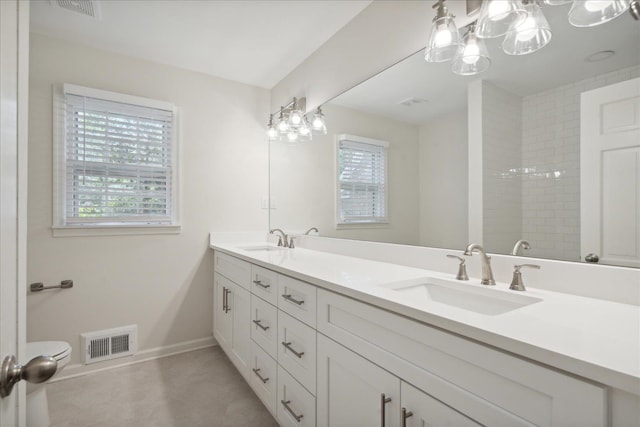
(61, 226)
(382, 222)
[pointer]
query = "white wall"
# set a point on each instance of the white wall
(501, 160)
(303, 179)
(443, 181)
(161, 283)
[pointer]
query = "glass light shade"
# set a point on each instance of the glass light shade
(272, 132)
(588, 13)
(292, 135)
(282, 124)
(305, 132)
(472, 58)
(444, 40)
(295, 117)
(318, 124)
(497, 16)
(532, 34)
(557, 2)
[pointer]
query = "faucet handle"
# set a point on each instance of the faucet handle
(291, 245)
(462, 268)
(516, 283)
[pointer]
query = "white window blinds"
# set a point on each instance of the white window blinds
(118, 160)
(362, 180)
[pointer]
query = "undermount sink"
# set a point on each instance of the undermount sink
(478, 299)
(264, 248)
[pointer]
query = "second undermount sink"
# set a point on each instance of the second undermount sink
(478, 299)
(264, 248)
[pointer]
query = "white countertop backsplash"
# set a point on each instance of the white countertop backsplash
(581, 326)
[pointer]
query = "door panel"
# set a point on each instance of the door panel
(610, 173)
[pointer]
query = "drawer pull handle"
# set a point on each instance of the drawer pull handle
(259, 324)
(383, 413)
(288, 347)
(226, 292)
(257, 372)
(293, 300)
(262, 285)
(405, 414)
(285, 403)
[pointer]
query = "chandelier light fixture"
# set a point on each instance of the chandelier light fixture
(522, 22)
(472, 58)
(532, 34)
(589, 13)
(444, 39)
(293, 125)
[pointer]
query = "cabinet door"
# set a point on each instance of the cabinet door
(221, 316)
(353, 391)
(419, 409)
(239, 301)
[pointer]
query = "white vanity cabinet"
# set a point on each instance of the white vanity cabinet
(315, 355)
(231, 309)
(484, 385)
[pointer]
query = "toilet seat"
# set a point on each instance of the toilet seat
(56, 349)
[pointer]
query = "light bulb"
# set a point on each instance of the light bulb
(527, 30)
(317, 122)
(272, 133)
(292, 136)
(443, 37)
(282, 126)
(498, 9)
(471, 53)
(597, 5)
(295, 118)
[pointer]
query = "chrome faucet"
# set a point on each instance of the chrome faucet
(520, 244)
(487, 274)
(283, 239)
(310, 230)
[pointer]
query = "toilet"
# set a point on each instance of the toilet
(37, 406)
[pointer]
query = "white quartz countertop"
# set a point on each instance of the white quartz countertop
(592, 338)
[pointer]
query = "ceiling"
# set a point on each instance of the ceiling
(557, 64)
(252, 42)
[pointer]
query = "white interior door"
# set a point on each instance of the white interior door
(610, 173)
(14, 53)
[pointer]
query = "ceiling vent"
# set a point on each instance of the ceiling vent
(90, 8)
(410, 102)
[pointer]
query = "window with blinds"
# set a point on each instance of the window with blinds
(116, 160)
(362, 180)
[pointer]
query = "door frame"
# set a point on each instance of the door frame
(14, 108)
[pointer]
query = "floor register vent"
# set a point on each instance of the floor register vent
(109, 344)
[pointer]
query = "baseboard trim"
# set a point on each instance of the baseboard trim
(79, 369)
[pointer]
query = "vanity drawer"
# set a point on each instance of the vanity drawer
(264, 283)
(487, 385)
(297, 350)
(232, 268)
(263, 377)
(264, 325)
(296, 406)
(298, 299)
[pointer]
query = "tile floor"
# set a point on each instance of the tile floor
(199, 388)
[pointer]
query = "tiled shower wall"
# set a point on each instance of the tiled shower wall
(551, 166)
(501, 153)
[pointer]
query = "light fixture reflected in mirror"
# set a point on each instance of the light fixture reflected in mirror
(296, 115)
(272, 130)
(588, 13)
(293, 125)
(473, 57)
(444, 39)
(497, 16)
(529, 36)
(557, 2)
(318, 124)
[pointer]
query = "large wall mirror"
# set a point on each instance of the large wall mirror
(492, 158)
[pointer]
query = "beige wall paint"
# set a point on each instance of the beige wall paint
(303, 179)
(162, 283)
(443, 181)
